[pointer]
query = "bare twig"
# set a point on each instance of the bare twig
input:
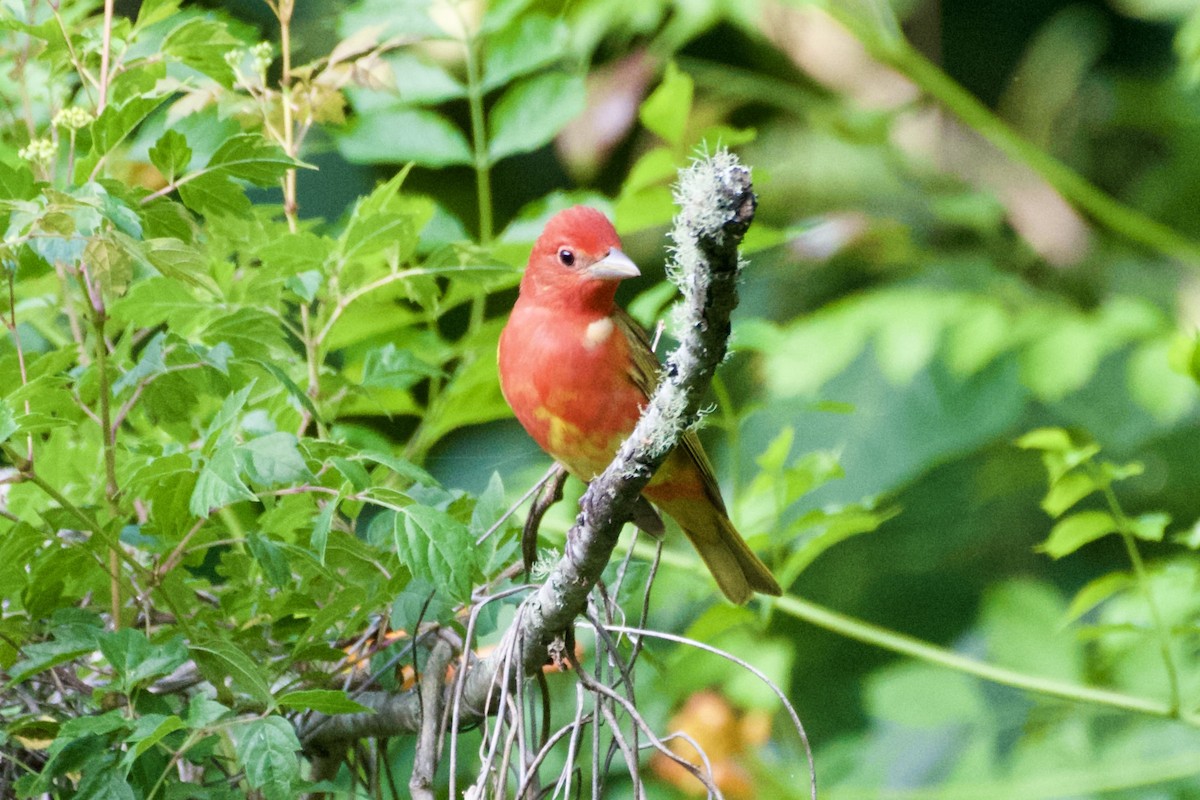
(432, 698)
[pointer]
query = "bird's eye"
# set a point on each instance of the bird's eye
(567, 257)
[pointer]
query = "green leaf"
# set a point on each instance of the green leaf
(389, 367)
(184, 262)
(271, 558)
(71, 640)
(219, 659)
(218, 484)
(320, 530)
(171, 154)
(8, 422)
(666, 110)
(214, 193)
(267, 750)
(1075, 531)
(1067, 491)
(156, 300)
(437, 548)
(325, 701)
(530, 113)
(1097, 591)
(406, 134)
(252, 158)
(273, 459)
(110, 264)
(1052, 439)
(149, 731)
(531, 42)
(201, 43)
(1150, 527)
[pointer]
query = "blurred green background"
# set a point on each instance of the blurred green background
(926, 283)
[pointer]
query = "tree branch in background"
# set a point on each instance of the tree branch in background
(717, 205)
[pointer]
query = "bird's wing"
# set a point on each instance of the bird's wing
(643, 371)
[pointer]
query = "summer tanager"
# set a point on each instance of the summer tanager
(577, 371)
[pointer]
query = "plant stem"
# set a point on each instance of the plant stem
(105, 55)
(897, 53)
(867, 633)
(1161, 630)
(483, 176)
(108, 433)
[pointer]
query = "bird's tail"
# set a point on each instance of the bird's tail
(737, 570)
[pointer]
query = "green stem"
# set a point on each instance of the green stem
(1162, 631)
(897, 53)
(483, 177)
(867, 633)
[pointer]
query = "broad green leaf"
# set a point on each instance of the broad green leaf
(201, 43)
(156, 300)
(267, 749)
(135, 659)
(273, 459)
(406, 134)
(325, 701)
(437, 548)
(179, 260)
(667, 109)
(271, 558)
(1150, 527)
(1067, 491)
(531, 112)
(489, 507)
(420, 83)
(8, 422)
(171, 154)
(218, 658)
(218, 484)
(147, 732)
(531, 42)
(70, 641)
(388, 367)
(1096, 592)
(214, 193)
(252, 158)
(1075, 531)
(110, 264)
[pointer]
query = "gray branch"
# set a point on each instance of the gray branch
(717, 205)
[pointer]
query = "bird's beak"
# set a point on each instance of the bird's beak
(614, 267)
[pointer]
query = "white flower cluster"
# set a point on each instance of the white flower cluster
(73, 118)
(263, 55)
(39, 151)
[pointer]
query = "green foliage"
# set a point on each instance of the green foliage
(241, 449)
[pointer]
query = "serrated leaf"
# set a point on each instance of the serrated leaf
(530, 113)
(271, 558)
(171, 154)
(214, 193)
(437, 548)
(152, 302)
(667, 109)
(219, 658)
(273, 459)
(389, 367)
(1075, 531)
(267, 750)
(252, 158)
(325, 701)
(109, 263)
(218, 484)
(149, 731)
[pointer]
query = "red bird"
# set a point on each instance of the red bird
(577, 371)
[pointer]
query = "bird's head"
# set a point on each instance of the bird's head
(577, 261)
